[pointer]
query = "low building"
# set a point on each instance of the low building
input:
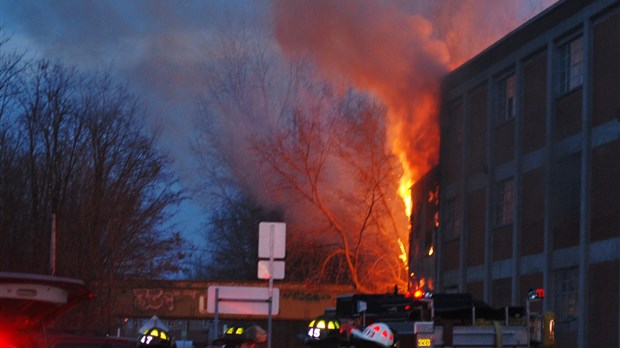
(184, 307)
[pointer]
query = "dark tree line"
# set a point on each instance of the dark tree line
(76, 158)
(231, 250)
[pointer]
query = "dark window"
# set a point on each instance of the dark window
(504, 202)
(571, 65)
(566, 306)
(452, 220)
(566, 183)
(505, 98)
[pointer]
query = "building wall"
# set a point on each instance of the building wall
(530, 171)
(423, 236)
(183, 306)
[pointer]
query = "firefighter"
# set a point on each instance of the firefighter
(252, 336)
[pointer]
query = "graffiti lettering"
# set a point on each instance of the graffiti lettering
(153, 299)
(305, 296)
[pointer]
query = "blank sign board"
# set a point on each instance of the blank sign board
(277, 271)
(268, 233)
(243, 300)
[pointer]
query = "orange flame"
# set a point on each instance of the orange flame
(393, 50)
(419, 150)
(404, 191)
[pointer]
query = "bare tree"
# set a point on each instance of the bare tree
(334, 160)
(85, 166)
(12, 66)
(293, 141)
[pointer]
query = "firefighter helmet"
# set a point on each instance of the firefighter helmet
(155, 338)
(240, 334)
(378, 333)
(322, 328)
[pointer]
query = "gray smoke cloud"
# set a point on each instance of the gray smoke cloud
(158, 46)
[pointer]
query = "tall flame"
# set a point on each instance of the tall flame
(391, 53)
(404, 191)
(418, 152)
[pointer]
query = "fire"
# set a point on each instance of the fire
(398, 51)
(403, 254)
(416, 139)
(420, 284)
(424, 283)
(404, 191)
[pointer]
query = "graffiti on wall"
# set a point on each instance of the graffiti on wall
(158, 299)
(153, 299)
(306, 296)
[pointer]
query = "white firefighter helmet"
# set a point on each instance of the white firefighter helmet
(378, 333)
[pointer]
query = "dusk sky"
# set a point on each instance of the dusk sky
(158, 48)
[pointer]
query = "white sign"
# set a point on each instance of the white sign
(263, 269)
(361, 306)
(243, 300)
(271, 234)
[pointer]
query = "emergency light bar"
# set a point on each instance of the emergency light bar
(536, 294)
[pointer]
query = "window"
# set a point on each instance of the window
(504, 202)
(566, 306)
(505, 98)
(571, 65)
(566, 185)
(452, 220)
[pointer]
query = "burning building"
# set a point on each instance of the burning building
(424, 231)
(529, 173)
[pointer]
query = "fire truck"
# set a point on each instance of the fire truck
(425, 319)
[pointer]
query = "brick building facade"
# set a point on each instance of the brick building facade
(529, 172)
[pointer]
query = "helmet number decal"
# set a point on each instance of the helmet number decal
(313, 332)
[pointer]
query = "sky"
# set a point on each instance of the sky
(158, 48)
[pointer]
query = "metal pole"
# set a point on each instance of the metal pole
(217, 315)
(363, 318)
(53, 246)
(269, 319)
(527, 322)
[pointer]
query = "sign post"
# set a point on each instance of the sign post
(240, 300)
(269, 318)
(271, 245)
(250, 300)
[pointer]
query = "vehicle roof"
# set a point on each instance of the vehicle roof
(69, 340)
(29, 300)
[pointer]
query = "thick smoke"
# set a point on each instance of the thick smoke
(398, 50)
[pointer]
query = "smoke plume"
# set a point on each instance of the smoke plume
(398, 50)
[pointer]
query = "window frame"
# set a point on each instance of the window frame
(570, 64)
(451, 219)
(566, 188)
(566, 294)
(505, 97)
(504, 202)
